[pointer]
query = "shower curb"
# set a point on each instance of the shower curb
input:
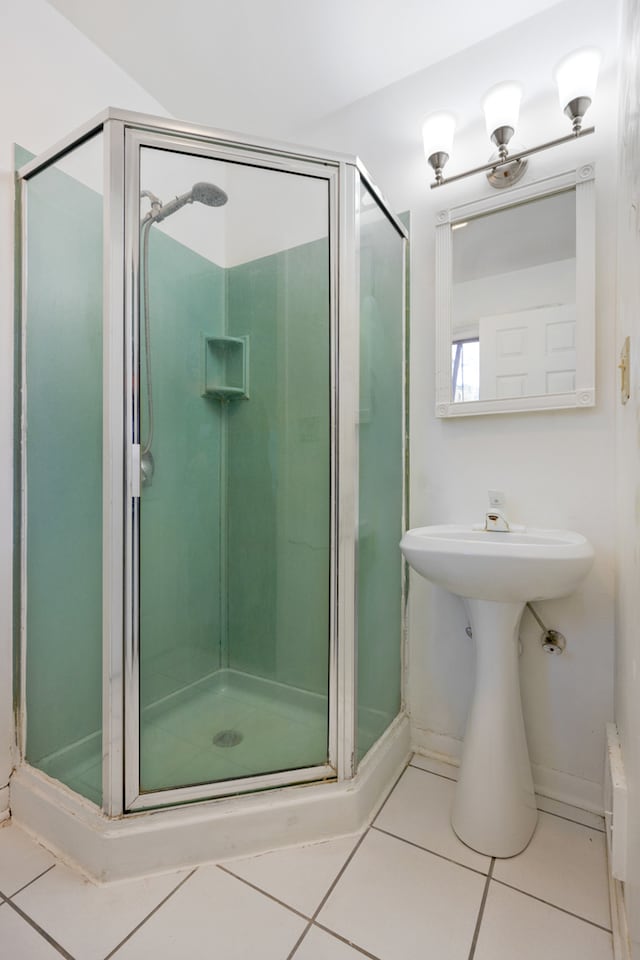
(159, 841)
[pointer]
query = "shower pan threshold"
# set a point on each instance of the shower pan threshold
(160, 840)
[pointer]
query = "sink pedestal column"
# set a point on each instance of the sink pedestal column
(494, 810)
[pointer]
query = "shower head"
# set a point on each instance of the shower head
(206, 193)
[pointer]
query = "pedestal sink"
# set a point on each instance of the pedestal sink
(496, 574)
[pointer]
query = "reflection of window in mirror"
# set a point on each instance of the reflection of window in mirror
(513, 298)
(465, 370)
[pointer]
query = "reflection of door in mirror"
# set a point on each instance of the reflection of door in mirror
(528, 353)
(513, 301)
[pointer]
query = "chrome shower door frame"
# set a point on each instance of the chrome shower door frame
(341, 652)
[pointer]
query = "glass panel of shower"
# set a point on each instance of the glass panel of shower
(62, 469)
(381, 486)
(234, 528)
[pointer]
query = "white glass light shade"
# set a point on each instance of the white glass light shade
(501, 106)
(437, 133)
(577, 75)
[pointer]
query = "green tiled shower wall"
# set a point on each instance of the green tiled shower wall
(241, 488)
(181, 615)
(279, 470)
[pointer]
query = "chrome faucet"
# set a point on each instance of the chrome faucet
(496, 520)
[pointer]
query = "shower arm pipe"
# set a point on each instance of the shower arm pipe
(146, 226)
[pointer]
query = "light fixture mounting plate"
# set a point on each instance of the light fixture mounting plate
(507, 174)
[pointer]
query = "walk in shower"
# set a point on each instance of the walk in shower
(212, 465)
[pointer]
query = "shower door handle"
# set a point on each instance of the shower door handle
(135, 470)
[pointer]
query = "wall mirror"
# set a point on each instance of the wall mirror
(515, 299)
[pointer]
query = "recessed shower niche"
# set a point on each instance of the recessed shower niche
(226, 368)
(211, 592)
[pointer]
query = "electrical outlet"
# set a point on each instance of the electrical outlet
(496, 498)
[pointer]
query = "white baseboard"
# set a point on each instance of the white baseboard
(436, 745)
(165, 840)
(569, 789)
(616, 811)
(621, 945)
(554, 785)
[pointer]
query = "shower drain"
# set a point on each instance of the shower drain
(227, 738)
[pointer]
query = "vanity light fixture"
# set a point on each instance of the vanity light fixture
(576, 77)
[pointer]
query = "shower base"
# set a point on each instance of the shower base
(224, 726)
(155, 841)
(277, 727)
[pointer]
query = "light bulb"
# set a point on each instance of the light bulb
(437, 134)
(501, 106)
(577, 76)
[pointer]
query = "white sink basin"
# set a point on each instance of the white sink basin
(494, 809)
(485, 565)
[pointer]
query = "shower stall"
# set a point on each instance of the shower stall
(212, 409)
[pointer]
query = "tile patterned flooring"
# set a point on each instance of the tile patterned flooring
(404, 888)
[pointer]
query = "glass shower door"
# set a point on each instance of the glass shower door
(231, 534)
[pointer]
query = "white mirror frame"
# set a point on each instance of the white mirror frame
(585, 393)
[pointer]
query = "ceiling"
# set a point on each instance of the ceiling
(273, 66)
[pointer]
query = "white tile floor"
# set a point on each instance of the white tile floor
(406, 888)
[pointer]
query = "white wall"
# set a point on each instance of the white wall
(556, 467)
(628, 456)
(53, 80)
